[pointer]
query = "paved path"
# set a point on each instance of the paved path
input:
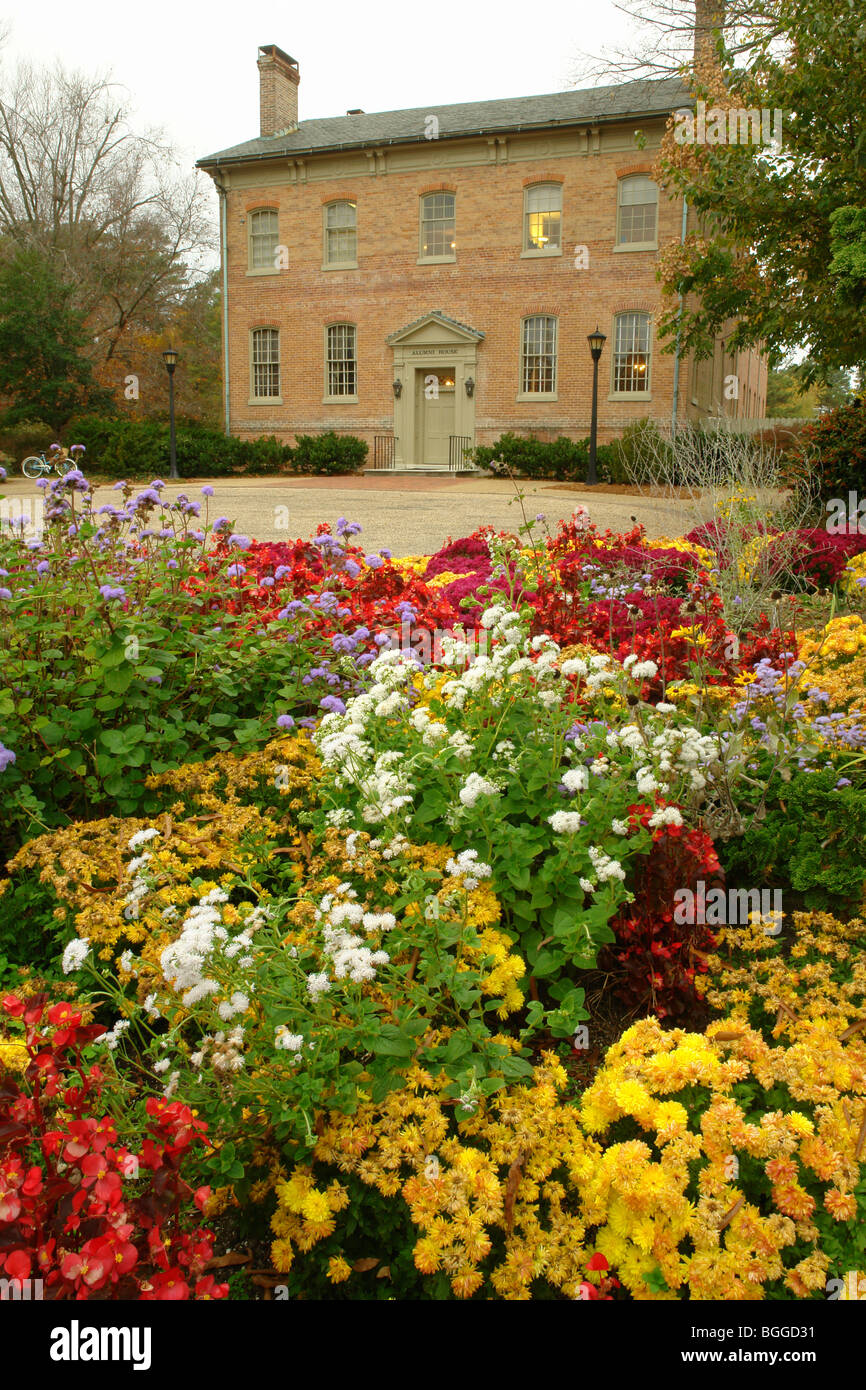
(406, 514)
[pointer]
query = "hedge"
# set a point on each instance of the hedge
(140, 449)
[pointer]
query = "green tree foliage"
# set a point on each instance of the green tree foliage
(781, 243)
(42, 338)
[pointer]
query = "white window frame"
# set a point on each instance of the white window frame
(523, 393)
(347, 397)
(648, 243)
(327, 262)
(423, 257)
(535, 190)
(271, 398)
(624, 340)
(269, 267)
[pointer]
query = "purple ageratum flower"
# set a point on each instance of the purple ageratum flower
(333, 704)
(361, 633)
(118, 486)
(386, 554)
(110, 591)
(171, 565)
(308, 723)
(374, 562)
(281, 571)
(235, 571)
(3, 475)
(221, 523)
(7, 757)
(157, 484)
(5, 593)
(342, 643)
(285, 721)
(352, 569)
(207, 491)
(42, 482)
(844, 782)
(241, 542)
(267, 582)
(43, 567)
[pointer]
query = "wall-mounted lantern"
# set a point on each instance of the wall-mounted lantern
(469, 383)
(397, 388)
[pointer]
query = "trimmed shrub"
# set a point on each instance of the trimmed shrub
(329, 453)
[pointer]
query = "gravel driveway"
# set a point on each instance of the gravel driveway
(407, 514)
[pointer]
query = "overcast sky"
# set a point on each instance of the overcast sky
(191, 67)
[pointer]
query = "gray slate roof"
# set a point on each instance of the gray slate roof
(643, 97)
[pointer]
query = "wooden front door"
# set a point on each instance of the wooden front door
(435, 414)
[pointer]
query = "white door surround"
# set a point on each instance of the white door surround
(422, 349)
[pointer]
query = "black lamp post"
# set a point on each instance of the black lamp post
(596, 342)
(170, 357)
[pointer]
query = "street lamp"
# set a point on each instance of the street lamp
(170, 357)
(596, 342)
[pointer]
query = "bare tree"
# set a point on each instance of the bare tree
(112, 208)
(672, 36)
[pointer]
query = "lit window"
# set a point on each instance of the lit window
(342, 360)
(438, 225)
(341, 234)
(638, 204)
(265, 363)
(264, 232)
(631, 354)
(543, 217)
(538, 375)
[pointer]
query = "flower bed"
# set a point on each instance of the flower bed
(371, 908)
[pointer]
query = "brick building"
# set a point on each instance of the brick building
(426, 279)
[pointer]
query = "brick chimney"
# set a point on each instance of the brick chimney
(278, 90)
(709, 21)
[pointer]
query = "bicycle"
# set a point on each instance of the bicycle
(36, 464)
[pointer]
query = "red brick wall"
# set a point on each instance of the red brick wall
(489, 288)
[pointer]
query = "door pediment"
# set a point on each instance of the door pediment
(435, 328)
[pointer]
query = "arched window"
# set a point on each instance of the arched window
(263, 237)
(542, 217)
(538, 359)
(638, 199)
(264, 363)
(342, 360)
(631, 354)
(341, 233)
(438, 227)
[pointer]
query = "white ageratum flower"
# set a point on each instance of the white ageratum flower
(576, 779)
(664, 708)
(75, 954)
(286, 1041)
(142, 837)
(666, 815)
(605, 867)
(378, 921)
(564, 822)
(587, 885)
(318, 984)
(125, 962)
(644, 670)
(619, 827)
(574, 666)
(476, 786)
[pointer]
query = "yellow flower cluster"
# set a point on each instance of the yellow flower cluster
(648, 1209)
(507, 1168)
(821, 981)
(701, 553)
(86, 863)
(855, 570)
(305, 1215)
(13, 1055)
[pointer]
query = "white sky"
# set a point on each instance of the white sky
(191, 67)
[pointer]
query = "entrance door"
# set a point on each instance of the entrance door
(434, 394)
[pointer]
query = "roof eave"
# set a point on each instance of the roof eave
(217, 161)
